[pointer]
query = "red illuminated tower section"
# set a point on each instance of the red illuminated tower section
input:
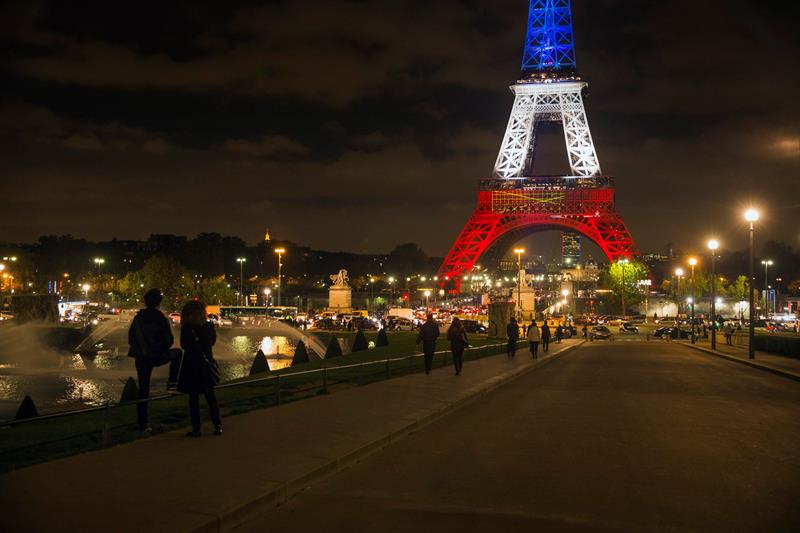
(512, 203)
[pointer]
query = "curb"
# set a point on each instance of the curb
(236, 516)
(766, 368)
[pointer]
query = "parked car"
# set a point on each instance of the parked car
(672, 332)
(365, 324)
(600, 333)
(473, 326)
(401, 324)
(219, 321)
(627, 327)
(326, 323)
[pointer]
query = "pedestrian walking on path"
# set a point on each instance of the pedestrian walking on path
(545, 337)
(457, 336)
(150, 339)
(512, 330)
(428, 333)
(199, 373)
(533, 339)
(559, 333)
(585, 331)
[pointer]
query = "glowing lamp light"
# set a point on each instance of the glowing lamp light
(751, 215)
(564, 293)
(690, 300)
(713, 244)
(679, 272)
(692, 261)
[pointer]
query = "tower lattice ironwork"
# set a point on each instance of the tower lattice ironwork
(513, 201)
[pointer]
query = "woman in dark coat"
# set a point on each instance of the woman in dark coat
(545, 337)
(197, 375)
(457, 336)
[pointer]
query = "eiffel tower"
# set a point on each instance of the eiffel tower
(512, 204)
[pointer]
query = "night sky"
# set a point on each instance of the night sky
(357, 125)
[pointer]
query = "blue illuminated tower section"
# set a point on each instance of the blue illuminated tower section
(549, 44)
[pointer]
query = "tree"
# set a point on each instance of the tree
(407, 259)
(167, 274)
(634, 272)
(215, 291)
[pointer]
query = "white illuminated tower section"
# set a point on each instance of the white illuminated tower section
(549, 91)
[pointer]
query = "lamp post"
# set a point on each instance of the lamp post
(391, 291)
(519, 252)
(624, 261)
(99, 262)
(241, 261)
(767, 263)
(752, 216)
(427, 295)
(690, 301)
(280, 252)
(267, 292)
(713, 244)
(678, 276)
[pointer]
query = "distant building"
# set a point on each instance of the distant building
(570, 249)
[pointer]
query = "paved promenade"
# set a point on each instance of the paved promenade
(621, 436)
(171, 483)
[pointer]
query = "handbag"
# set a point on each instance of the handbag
(210, 366)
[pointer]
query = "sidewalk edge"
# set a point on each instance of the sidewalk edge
(236, 516)
(766, 368)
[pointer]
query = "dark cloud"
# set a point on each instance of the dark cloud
(356, 125)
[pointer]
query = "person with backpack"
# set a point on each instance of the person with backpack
(199, 372)
(150, 340)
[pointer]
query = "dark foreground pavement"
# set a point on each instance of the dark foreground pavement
(619, 436)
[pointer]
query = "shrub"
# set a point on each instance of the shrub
(300, 354)
(130, 392)
(778, 344)
(360, 342)
(260, 364)
(27, 409)
(333, 350)
(383, 339)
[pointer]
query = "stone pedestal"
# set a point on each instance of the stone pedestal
(527, 298)
(500, 314)
(340, 298)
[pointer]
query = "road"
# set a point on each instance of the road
(618, 436)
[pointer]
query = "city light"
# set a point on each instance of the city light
(690, 300)
(713, 244)
(751, 215)
(692, 261)
(679, 272)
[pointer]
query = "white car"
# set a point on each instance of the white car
(219, 321)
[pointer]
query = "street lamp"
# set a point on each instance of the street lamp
(713, 245)
(241, 261)
(690, 301)
(767, 263)
(280, 252)
(519, 252)
(86, 288)
(427, 295)
(267, 292)
(678, 276)
(624, 261)
(752, 216)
